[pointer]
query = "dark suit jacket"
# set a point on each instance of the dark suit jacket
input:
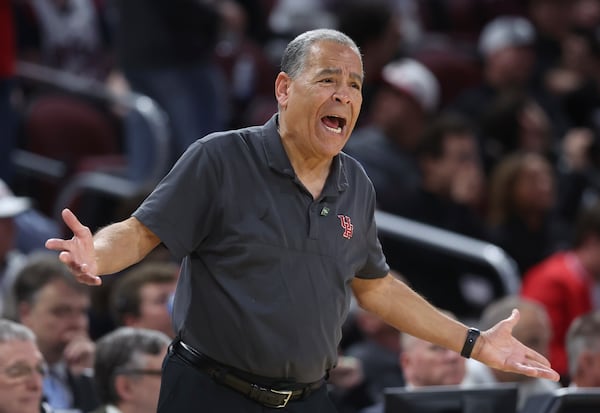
(85, 396)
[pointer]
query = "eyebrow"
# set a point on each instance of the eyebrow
(331, 71)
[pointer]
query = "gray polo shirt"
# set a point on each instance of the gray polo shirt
(266, 271)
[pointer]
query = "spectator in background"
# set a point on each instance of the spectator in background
(506, 49)
(347, 387)
(452, 186)
(127, 370)
(551, 19)
(8, 131)
(567, 283)
(247, 67)
(173, 63)
(426, 364)
(375, 27)
(521, 210)
(54, 306)
(11, 258)
(378, 353)
(574, 80)
(140, 297)
(22, 230)
(512, 122)
(22, 369)
(533, 328)
(585, 13)
(583, 350)
(69, 35)
(386, 146)
(450, 196)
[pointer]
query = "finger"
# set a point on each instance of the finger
(536, 357)
(56, 244)
(88, 279)
(80, 271)
(79, 230)
(513, 319)
(541, 372)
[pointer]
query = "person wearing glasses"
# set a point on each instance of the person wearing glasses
(22, 369)
(56, 308)
(127, 369)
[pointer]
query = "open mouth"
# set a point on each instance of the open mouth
(334, 123)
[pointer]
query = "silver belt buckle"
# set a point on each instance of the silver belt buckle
(286, 393)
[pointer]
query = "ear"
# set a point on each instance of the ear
(123, 387)
(282, 89)
(24, 310)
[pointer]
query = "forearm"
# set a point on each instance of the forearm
(121, 245)
(401, 307)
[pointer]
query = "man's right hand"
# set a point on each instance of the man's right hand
(77, 253)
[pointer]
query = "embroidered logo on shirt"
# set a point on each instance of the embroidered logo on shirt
(346, 224)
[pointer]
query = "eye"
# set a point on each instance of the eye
(327, 80)
(356, 86)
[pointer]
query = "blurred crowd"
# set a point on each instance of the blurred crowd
(480, 117)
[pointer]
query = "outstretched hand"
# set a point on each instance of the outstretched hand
(78, 252)
(500, 350)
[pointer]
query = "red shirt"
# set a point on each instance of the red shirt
(7, 40)
(563, 286)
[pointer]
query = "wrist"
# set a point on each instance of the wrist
(470, 340)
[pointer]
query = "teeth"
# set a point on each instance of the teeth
(335, 130)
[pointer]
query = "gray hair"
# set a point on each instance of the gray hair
(583, 335)
(13, 331)
(123, 349)
(296, 52)
(502, 308)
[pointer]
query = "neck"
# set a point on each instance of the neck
(311, 171)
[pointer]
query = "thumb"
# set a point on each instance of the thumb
(514, 318)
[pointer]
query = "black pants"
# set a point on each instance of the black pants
(184, 389)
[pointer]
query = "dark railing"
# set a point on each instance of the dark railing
(153, 119)
(457, 273)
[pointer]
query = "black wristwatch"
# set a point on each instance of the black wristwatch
(472, 336)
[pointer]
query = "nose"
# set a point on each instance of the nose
(341, 95)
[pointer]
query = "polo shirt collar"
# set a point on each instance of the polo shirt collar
(278, 160)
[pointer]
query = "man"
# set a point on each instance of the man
(506, 46)
(386, 144)
(567, 283)
(583, 350)
(11, 257)
(127, 369)
(140, 298)
(449, 196)
(23, 229)
(22, 369)
(269, 265)
(533, 329)
(55, 308)
(426, 364)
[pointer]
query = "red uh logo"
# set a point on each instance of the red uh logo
(346, 223)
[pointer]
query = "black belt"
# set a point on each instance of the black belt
(274, 398)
